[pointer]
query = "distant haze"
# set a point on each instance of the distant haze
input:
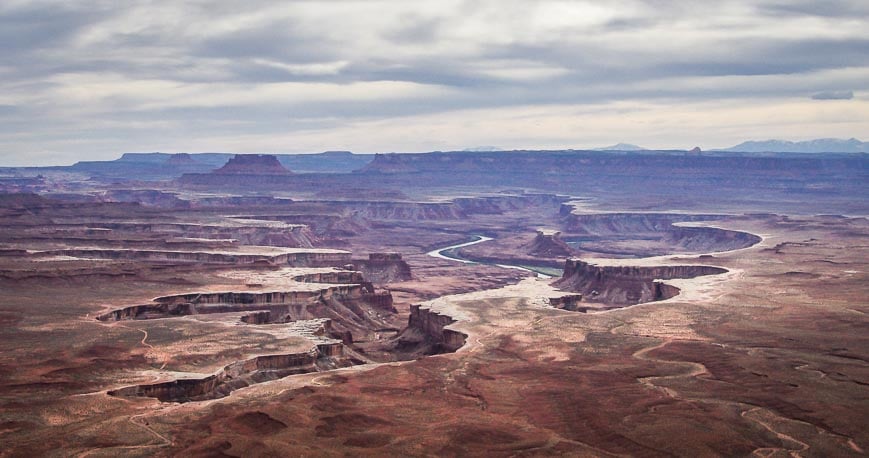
(90, 80)
(622, 147)
(822, 145)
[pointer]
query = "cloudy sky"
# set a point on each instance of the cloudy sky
(92, 79)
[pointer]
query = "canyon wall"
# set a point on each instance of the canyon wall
(625, 285)
(548, 245)
(569, 302)
(431, 326)
(625, 223)
(300, 259)
(323, 356)
(383, 268)
(707, 239)
(346, 276)
(573, 161)
(196, 236)
(354, 309)
(252, 165)
(350, 291)
(651, 233)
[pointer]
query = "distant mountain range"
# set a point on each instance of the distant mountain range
(164, 166)
(822, 145)
(621, 147)
(482, 149)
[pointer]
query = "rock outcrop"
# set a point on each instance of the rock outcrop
(145, 197)
(253, 164)
(383, 268)
(709, 239)
(569, 302)
(652, 234)
(626, 285)
(573, 162)
(607, 224)
(427, 333)
(357, 308)
(324, 355)
(151, 235)
(337, 277)
(548, 245)
(305, 258)
(181, 159)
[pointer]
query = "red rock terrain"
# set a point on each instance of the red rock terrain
(200, 322)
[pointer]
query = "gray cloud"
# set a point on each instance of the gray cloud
(112, 77)
(281, 40)
(415, 29)
(33, 28)
(827, 8)
(833, 95)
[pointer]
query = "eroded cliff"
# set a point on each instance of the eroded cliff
(427, 334)
(354, 308)
(323, 356)
(383, 268)
(302, 258)
(253, 164)
(649, 234)
(626, 285)
(548, 245)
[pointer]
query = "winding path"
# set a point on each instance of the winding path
(760, 416)
(146, 344)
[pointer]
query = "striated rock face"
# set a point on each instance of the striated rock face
(253, 164)
(270, 297)
(262, 317)
(625, 285)
(299, 259)
(352, 216)
(383, 268)
(352, 308)
(664, 291)
(588, 163)
(699, 239)
(323, 356)
(181, 159)
(569, 302)
(146, 197)
(548, 246)
(625, 223)
(148, 312)
(194, 303)
(362, 193)
(332, 277)
(650, 234)
(426, 333)
(290, 236)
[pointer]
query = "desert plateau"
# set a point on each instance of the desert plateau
(536, 312)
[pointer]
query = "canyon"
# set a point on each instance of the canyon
(627, 284)
(451, 304)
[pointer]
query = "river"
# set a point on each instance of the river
(448, 253)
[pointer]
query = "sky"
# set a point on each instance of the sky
(89, 80)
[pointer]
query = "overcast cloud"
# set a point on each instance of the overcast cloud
(90, 80)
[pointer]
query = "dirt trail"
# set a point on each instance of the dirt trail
(760, 416)
(165, 442)
(160, 354)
